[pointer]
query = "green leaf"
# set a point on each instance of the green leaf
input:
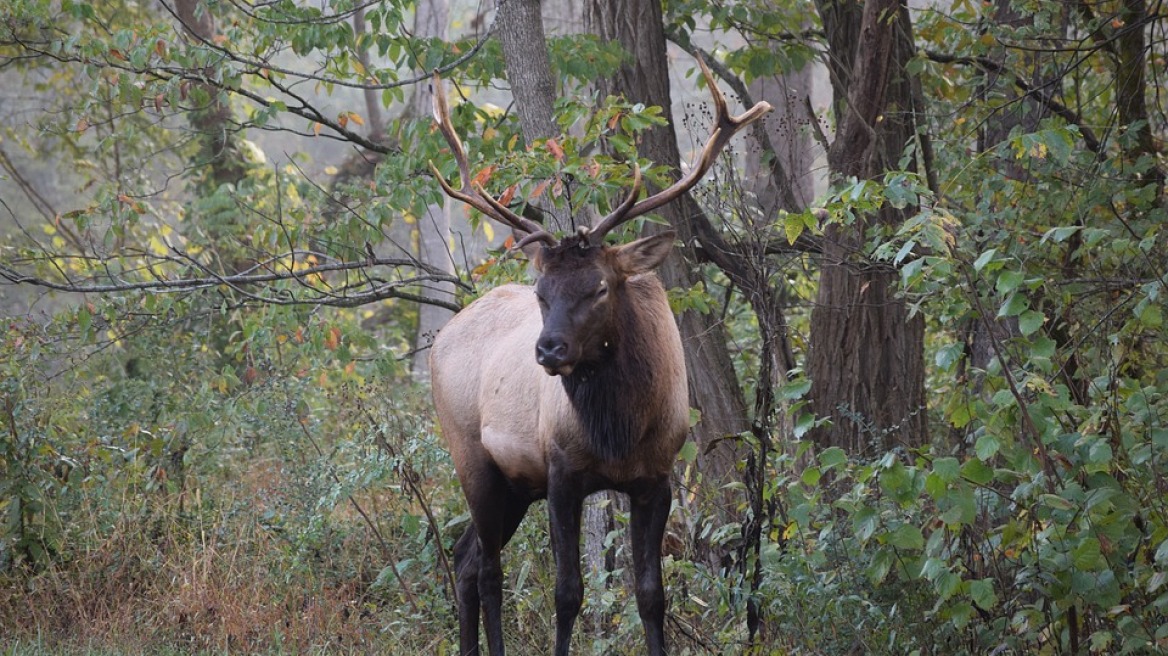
(975, 471)
(804, 423)
(1056, 502)
(982, 593)
(949, 354)
(986, 447)
(1014, 305)
(1030, 321)
(906, 536)
(1162, 553)
(948, 469)
(1088, 556)
(880, 565)
(794, 389)
(832, 457)
(689, 452)
(1008, 281)
(984, 259)
(792, 226)
(811, 476)
(904, 251)
(1151, 316)
(1060, 233)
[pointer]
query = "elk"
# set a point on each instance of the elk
(602, 405)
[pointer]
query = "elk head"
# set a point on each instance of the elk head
(580, 289)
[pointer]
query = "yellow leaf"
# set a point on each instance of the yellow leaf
(356, 118)
(489, 231)
(330, 170)
(157, 247)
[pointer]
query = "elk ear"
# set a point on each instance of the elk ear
(644, 254)
(534, 252)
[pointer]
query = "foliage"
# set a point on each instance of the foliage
(218, 447)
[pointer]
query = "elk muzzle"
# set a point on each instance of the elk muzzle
(553, 354)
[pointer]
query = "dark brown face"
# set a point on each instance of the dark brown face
(576, 296)
(579, 290)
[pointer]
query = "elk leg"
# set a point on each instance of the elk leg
(565, 503)
(649, 512)
(496, 510)
(467, 554)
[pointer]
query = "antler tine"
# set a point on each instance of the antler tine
(726, 126)
(617, 216)
(535, 231)
(471, 193)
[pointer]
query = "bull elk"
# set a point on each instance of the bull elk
(602, 405)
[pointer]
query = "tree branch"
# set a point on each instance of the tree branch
(376, 289)
(990, 66)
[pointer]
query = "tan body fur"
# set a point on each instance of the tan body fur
(484, 373)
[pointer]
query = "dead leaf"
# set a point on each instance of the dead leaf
(555, 149)
(508, 194)
(480, 179)
(539, 189)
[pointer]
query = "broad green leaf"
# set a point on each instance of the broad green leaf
(1030, 321)
(906, 536)
(949, 469)
(986, 446)
(1056, 502)
(792, 226)
(832, 457)
(982, 593)
(984, 259)
(975, 471)
(1014, 305)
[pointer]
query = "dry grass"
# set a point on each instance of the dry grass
(220, 582)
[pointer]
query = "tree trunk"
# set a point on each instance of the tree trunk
(1131, 87)
(430, 20)
(638, 26)
(213, 121)
(529, 71)
(866, 359)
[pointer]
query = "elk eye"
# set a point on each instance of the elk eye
(601, 290)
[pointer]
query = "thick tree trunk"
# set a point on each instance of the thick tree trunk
(866, 360)
(213, 121)
(529, 71)
(430, 20)
(637, 25)
(1131, 86)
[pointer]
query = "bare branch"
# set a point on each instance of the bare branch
(370, 290)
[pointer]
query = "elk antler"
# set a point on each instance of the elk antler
(725, 127)
(472, 193)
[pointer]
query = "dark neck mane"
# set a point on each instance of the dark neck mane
(609, 394)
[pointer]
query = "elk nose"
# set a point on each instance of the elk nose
(551, 351)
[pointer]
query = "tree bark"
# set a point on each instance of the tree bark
(638, 26)
(1131, 87)
(430, 19)
(213, 121)
(866, 360)
(529, 71)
